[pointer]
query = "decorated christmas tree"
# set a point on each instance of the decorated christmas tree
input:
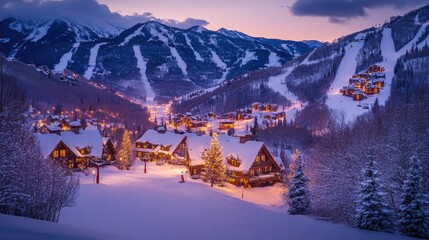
(214, 169)
(298, 194)
(125, 153)
(372, 212)
(414, 214)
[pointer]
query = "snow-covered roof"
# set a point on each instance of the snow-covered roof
(164, 139)
(86, 138)
(231, 146)
(54, 128)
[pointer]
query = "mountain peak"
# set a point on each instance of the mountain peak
(198, 29)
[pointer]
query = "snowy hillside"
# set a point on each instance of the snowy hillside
(155, 205)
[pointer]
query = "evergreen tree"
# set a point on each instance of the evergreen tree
(414, 215)
(125, 154)
(255, 129)
(214, 169)
(298, 194)
(373, 213)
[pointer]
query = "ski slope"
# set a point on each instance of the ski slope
(141, 64)
(66, 58)
(346, 106)
(93, 52)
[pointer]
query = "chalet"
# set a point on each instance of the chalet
(378, 82)
(211, 115)
(74, 150)
(375, 68)
(348, 90)
(248, 164)
(359, 95)
(371, 89)
(225, 125)
(271, 107)
(155, 146)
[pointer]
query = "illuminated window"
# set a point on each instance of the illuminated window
(259, 170)
(267, 169)
(251, 172)
(257, 158)
(263, 158)
(139, 154)
(62, 153)
(55, 154)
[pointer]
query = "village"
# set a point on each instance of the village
(364, 84)
(177, 139)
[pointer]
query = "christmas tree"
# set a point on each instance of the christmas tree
(414, 215)
(125, 154)
(298, 194)
(373, 213)
(214, 169)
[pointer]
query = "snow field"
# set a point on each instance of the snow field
(156, 206)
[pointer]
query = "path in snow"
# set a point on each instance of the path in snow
(182, 65)
(131, 36)
(156, 206)
(65, 59)
(141, 64)
(93, 53)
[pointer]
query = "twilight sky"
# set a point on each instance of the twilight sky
(323, 20)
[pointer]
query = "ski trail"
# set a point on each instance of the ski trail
(65, 59)
(141, 64)
(92, 60)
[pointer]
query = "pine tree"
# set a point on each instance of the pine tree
(414, 215)
(125, 154)
(214, 169)
(255, 129)
(373, 213)
(298, 194)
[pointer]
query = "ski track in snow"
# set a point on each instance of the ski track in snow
(92, 60)
(337, 101)
(220, 64)
(65, 59)
(197, 55)
(141, 64)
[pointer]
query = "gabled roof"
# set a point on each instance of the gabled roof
(246, 152)
(165, 139)
(86, 138)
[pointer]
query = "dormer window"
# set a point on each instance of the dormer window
(233, 161)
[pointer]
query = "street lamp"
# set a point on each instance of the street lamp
(242, 191)
(93, 176)
(145, 159)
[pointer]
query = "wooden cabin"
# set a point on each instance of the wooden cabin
(371, 89)
(379, 83)
(156, 146)
(74, 150)
(359, 95)
(257, 106)
(248, 163)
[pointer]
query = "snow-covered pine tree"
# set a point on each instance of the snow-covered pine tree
(214, 169)
(372, 211)
(298, 194)
(125, 153)
(414, 214)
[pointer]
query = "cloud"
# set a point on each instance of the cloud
(340, 11)
(84, 11)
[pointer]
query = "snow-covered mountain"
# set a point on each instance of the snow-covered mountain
(318, 76)
(148, 59)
